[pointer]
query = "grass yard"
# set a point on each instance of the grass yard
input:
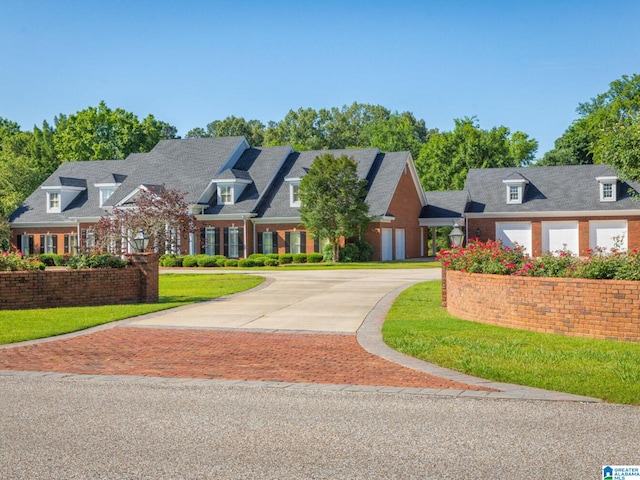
(417, 325)
(175, 290)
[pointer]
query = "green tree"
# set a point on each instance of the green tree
(7, 128)
(333, 200)
(100, 133)
(619, 147)
(252, 130)
(603, 116)
(446, 157)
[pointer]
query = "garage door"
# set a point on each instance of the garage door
(387, 244)
(514, 233)
(608, 234)
(557, 236)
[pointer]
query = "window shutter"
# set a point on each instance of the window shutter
(226, 241)
(287, 242)
(303, 242)
(55, 243)
(31, 245)
(240, 242)
(66, 244)
(316, 244)
(19, 242)
(275, 242)
(216, 241)
(42, 240)
(260, 242)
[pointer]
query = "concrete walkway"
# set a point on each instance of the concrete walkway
(335, 301)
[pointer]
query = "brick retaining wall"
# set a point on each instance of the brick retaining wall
(604, 309)
(75, 288)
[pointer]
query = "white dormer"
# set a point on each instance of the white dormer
(294, 187)
(516, 184)
(60, 196)
(230, 185)
(608, 188)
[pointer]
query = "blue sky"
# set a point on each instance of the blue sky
(525, 65)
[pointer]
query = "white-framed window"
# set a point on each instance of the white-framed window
(234, 242)
(210, 241)
(294, 194)
(295, 243)
(53, 202)
(226, 194)
(608, 188)
(267, 243)
(105, 193)
(48, 244)
(514, 194)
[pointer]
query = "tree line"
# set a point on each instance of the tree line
(607, 130)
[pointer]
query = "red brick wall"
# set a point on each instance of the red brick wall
(604, 309)
(75, 288)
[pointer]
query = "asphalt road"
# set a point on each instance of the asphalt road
(101, 428)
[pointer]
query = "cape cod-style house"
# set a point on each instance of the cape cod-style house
(245, 200)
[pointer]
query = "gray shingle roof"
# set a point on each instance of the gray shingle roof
(382, 170)
(551, 189)
(446, 204)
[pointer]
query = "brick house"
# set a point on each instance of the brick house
(244, 198)
(552, 208)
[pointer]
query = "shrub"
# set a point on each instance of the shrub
(314, 257)
(221, 260)
(171, 260)
(273, 256)
(259, 261)
(14, 262)
(327, 252)
(358, 251)
(300, 258)
(189, 261)
(232, 262)
(492, 257)
(271, 262)
(49, 259)
(102, 260)
(285, 258)
(61, 260)
(207, 261)
(246, 263)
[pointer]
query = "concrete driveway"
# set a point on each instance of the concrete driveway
(312, 301)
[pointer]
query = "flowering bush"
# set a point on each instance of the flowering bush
(491, 257)
(15, 261)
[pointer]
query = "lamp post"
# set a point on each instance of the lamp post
(456, 236)
(141, 241)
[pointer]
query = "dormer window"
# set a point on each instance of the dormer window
(105, 193)
(515, 189)
(608, 188)
(226, 194)
(53, 202)
(294, 194)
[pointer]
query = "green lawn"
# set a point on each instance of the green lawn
(417, 325)
(175, 290)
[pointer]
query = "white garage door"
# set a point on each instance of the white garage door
(608, 234)
(514, 233)
(387, 244)
(558, 236)
(400, 244)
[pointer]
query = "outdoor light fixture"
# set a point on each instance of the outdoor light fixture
(456, 236)
(478, 232)
(141, 241)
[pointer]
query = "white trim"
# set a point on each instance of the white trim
(64, 188)
(287, 220)
(439, 222)
(131, 195)
(294, 203)
(224, 216)
(44, 224)
(416, 181)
